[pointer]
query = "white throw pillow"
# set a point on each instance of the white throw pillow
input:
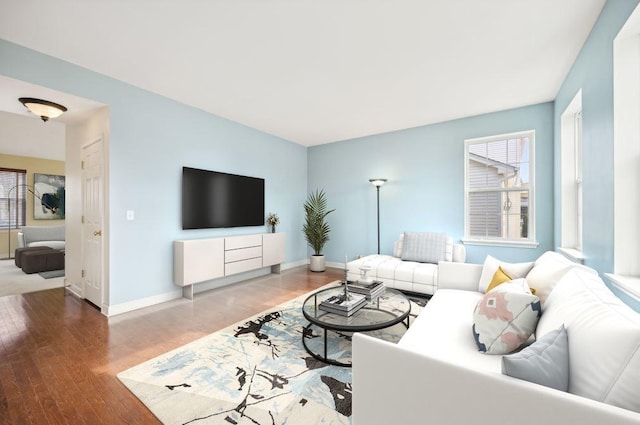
(604, 339)
(397, 246)
(505, 318)
(546, 272)
(490, 266)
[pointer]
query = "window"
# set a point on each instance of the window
(499, 195)
(578, 177)
(13, 198)
(571, 179)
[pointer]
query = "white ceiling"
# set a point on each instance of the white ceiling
(319, 71)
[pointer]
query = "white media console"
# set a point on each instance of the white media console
(200, 260)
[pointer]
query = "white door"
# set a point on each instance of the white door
(92, 222)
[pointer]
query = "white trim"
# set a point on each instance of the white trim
(630, 285)
(572, 254)
(74, 288)
(501, 242)
(298, 263)
(626, 147)
(197, 288)
(570, 231)
(141, 303)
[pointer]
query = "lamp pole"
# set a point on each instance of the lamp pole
(32, 191)
(377, 183)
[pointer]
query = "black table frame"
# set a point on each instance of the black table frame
(347, 328)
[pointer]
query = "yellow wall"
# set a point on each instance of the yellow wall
(32, 165)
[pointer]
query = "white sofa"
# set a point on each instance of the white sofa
(51, 236)
(413, 276)
(436, 375)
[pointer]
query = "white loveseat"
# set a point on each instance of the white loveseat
(436, 375)
(51, 236)
(394, 272)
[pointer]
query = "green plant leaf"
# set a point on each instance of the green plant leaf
(315, 228)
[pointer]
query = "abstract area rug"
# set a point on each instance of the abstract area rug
(253, 372)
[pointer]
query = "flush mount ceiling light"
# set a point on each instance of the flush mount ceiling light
(43, 108)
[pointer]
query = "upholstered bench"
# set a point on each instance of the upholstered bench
(21, 251)
(42, 261)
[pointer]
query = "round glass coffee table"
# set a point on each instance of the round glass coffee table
(388, 309)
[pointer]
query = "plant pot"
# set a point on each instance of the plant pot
(317, 263)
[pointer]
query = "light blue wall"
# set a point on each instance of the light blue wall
(593, 73)
(152, 137)
(425, 191)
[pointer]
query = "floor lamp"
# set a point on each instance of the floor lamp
(377, 183)
(32, 191)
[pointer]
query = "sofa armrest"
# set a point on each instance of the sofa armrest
(21, 240)
(453, 275)
(392, 385)
(459, 253)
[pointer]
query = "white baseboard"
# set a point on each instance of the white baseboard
(299, 263)
(224, 281)
(177, 293)
(125, 307)
(73, 287)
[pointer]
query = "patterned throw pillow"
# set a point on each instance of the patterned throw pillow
(426, 247)
(505, 318)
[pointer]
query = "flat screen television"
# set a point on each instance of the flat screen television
(211, 199)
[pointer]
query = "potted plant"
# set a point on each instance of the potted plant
(316, 229)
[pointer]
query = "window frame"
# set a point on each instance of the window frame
(13, 194)
(571, 182)
(530, 241)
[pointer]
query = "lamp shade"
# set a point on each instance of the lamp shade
(378, 182)
(43, 108)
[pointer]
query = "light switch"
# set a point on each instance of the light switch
(130, 215)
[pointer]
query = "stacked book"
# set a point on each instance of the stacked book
(337, 304)
(369, 290)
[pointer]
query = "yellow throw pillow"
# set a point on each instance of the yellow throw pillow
(498, 277)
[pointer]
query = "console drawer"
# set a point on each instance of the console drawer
(242, 254)
(242, 266)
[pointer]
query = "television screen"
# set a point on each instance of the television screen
(211, 199)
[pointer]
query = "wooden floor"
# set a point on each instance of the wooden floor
(59, 356)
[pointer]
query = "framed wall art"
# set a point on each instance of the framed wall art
(48, 200)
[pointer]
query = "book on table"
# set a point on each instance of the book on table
(337, 304)
(370, 290)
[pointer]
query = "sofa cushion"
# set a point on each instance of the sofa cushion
(490, 266)
(427, 247)
(604, 338)
(442, 331)
(545, 362)
(59, 245)
(505, 318)
(547, 270)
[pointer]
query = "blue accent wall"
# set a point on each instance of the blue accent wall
(425, 191)
(152, 138)
(593, 73)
